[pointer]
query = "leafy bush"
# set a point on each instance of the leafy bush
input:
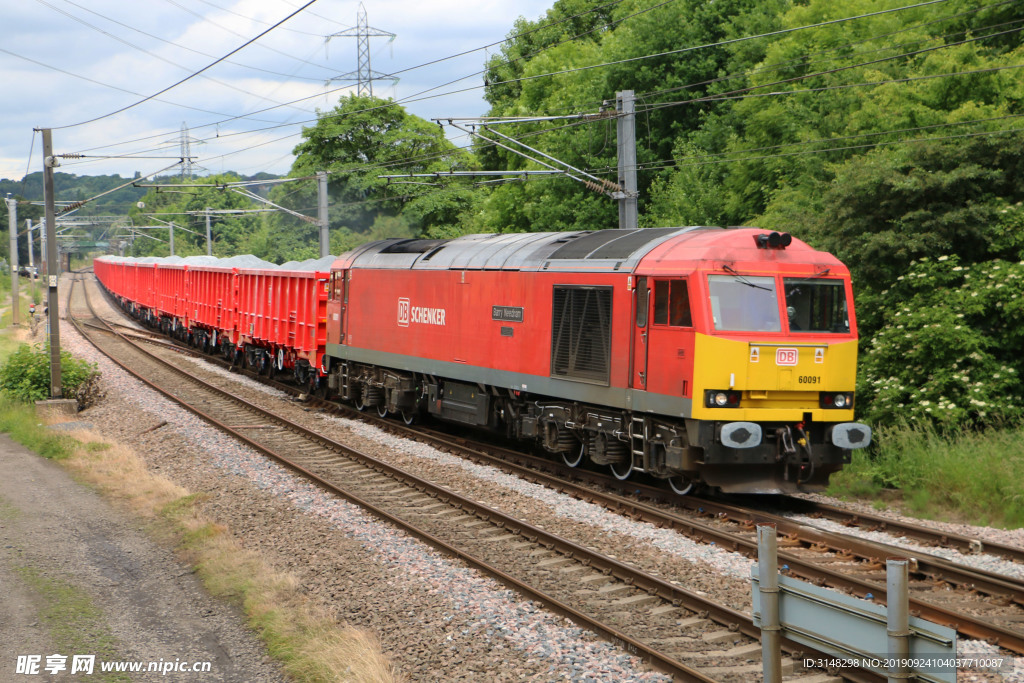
(26, 375)
(947, 347)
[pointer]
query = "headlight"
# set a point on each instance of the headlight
(836, 400)
(714, 398)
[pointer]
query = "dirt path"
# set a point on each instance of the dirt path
(78, 577)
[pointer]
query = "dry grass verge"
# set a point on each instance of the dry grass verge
(309, 642)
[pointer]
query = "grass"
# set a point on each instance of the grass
(20, 421)
(976, 477)
(74, 622)
(306, 639)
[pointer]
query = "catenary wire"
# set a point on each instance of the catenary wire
(241, 35)
(404, 100)
(142, 49)
(802, 61)
(769, 34)
(838, 69)
(186, 47)
(187, 78)
(114, 87)
(632, 59)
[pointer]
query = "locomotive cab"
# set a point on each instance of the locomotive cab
(773, 389)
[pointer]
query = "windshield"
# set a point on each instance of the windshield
(814, 305)
(741, 303)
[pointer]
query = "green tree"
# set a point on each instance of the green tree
(231, 234)
(946, 346)
(363, 138)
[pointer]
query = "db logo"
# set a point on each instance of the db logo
(787, 356)
(403, 313)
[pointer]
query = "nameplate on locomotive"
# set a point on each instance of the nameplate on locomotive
(508, 314)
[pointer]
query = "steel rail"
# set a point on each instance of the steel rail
(965, 544)
(977, 627)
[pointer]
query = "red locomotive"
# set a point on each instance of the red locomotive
(720, 356)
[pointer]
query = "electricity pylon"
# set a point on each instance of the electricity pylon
(364, 76)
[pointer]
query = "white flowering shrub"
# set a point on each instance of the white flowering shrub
(948, 347)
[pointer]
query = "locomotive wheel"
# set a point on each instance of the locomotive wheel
(360, 399)
(382, 410)
(409, 417)
(573, 458)
(622, 470)
(681, 485)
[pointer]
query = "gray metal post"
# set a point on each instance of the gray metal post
(209, 242)
(172, 238)
(625, 103)
(898, 616)
(12, 225)
(49, 162)
(325, 238)
(28, 227)
(768, 585)
(42, 246)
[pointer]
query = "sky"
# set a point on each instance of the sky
(66, 62)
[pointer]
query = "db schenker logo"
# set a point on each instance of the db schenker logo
(403, 313)
(787, 356)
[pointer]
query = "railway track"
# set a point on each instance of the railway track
(980, 605)
(673, 629)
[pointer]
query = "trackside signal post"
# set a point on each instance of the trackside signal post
(49, 162)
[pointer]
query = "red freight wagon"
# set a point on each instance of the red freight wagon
(172, 291)
(284, 311)
(145, 285)
(212, 300)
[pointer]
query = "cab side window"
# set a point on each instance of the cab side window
(336, 284)
(672, 303)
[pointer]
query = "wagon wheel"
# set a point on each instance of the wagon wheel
(382, 409)
(409, 417)
(622, 470)
(681, 485)
(574, 457)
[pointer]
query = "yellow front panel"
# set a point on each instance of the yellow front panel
(779, 381)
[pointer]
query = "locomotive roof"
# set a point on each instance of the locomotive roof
(599, 250)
